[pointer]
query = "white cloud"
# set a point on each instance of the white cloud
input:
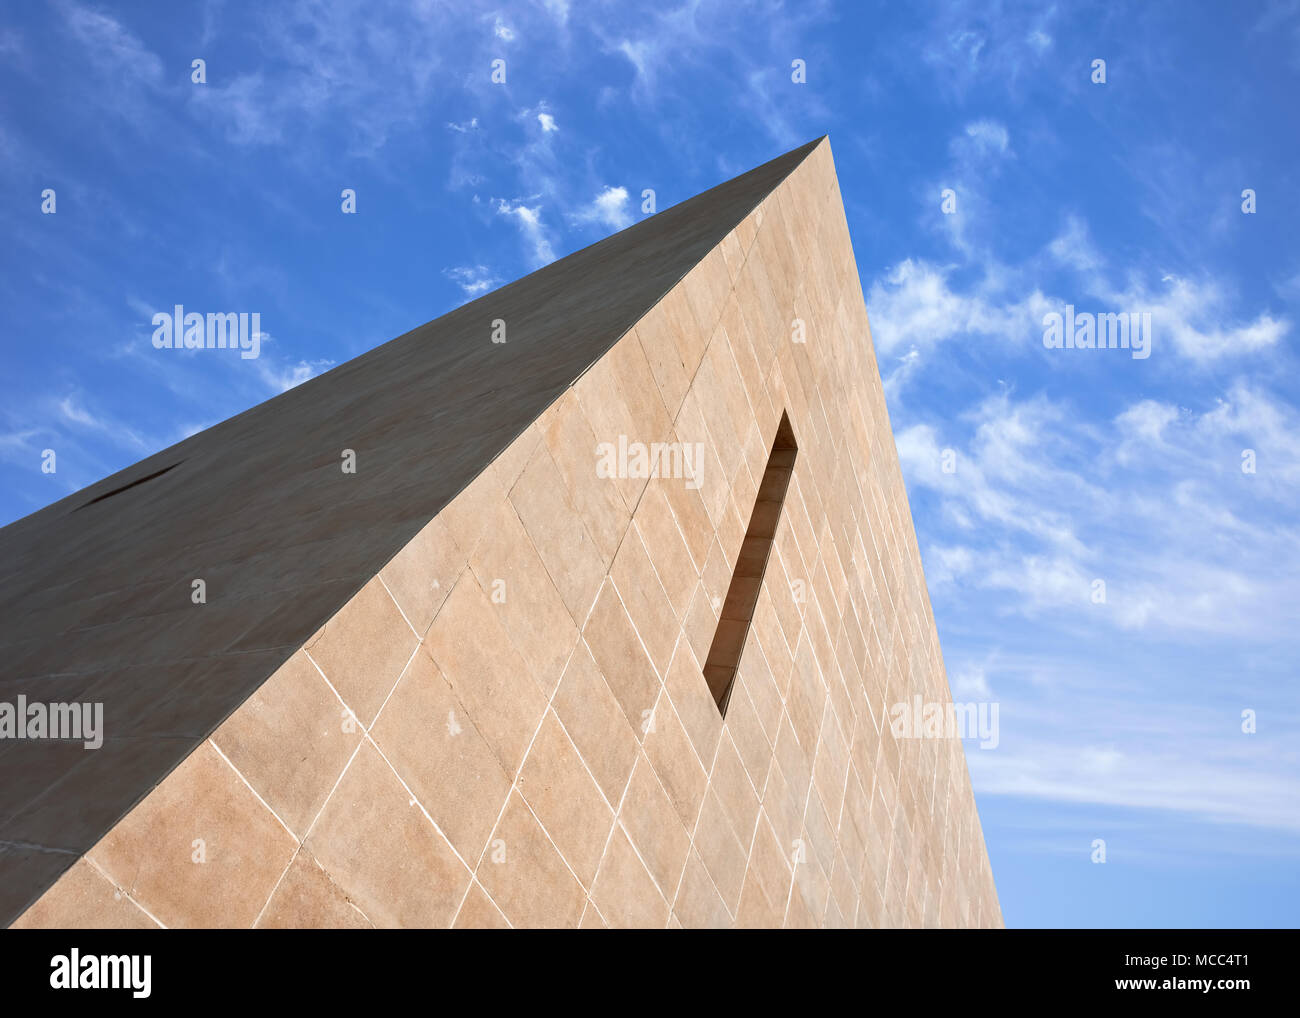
(971, 46)
(1041, 504)
(1194, 317)
(547, 121)
(283, 377)
(1039, 40)
(529, 220)
(1073, 247)
(971, 682)
(474, 280)
(17, 439)
(988, 137)
(914, 306)
(502, 31)
(643, 55)
(1142, 426)
(77, 415)
(559, 10)
(1210, 788)
(609, 208)
(74, 413)
(327, 65)
(112, 48)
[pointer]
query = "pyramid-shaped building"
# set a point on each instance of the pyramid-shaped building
(583, 605)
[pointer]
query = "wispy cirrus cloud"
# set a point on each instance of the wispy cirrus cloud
(281, 376)
(474, 280)
(112, 49)
(73, 412)
(1158, 506)
(372, 69)
(528, 218)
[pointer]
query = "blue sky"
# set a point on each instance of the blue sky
(1118, 720)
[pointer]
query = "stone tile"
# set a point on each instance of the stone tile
(363, 649)
(479, 913)
(806, 699)
(843, 890)
(526, 601)
(725, 369)
(625, 892)
(432, 742)
(651, 821)
(604, 407)
(744, 234)
(783, 808)
(307, 898)
(665, 545)
(811, 884)
(711, 475)
(748, 737)
(700, 623)
(598, 501)
(699, 906)
(785, 587)
(831, 766)
(200, 850)
(655, 334)
(799, 914)
(596, 723)
(709, 397)
(685, 331)
(759, 683)
(644, 599)
(735, 791)
(525, 875)
(421, 575)
(510, 464)
(770, 864)
(468, 514)
(84, 899)
(732, 325)
(689, 511)
(621, 658)
(674, 759)
(637, 385)
(756, 911)
(291, 740)
(732, 526)
(563, 795)
(381, 850)
(819, 830)
(472, 649)
(720, 850)
(733, 254)
(572, 558)
(706, 287)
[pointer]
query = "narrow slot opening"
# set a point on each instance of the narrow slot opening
(118, 491)
(742, 595)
